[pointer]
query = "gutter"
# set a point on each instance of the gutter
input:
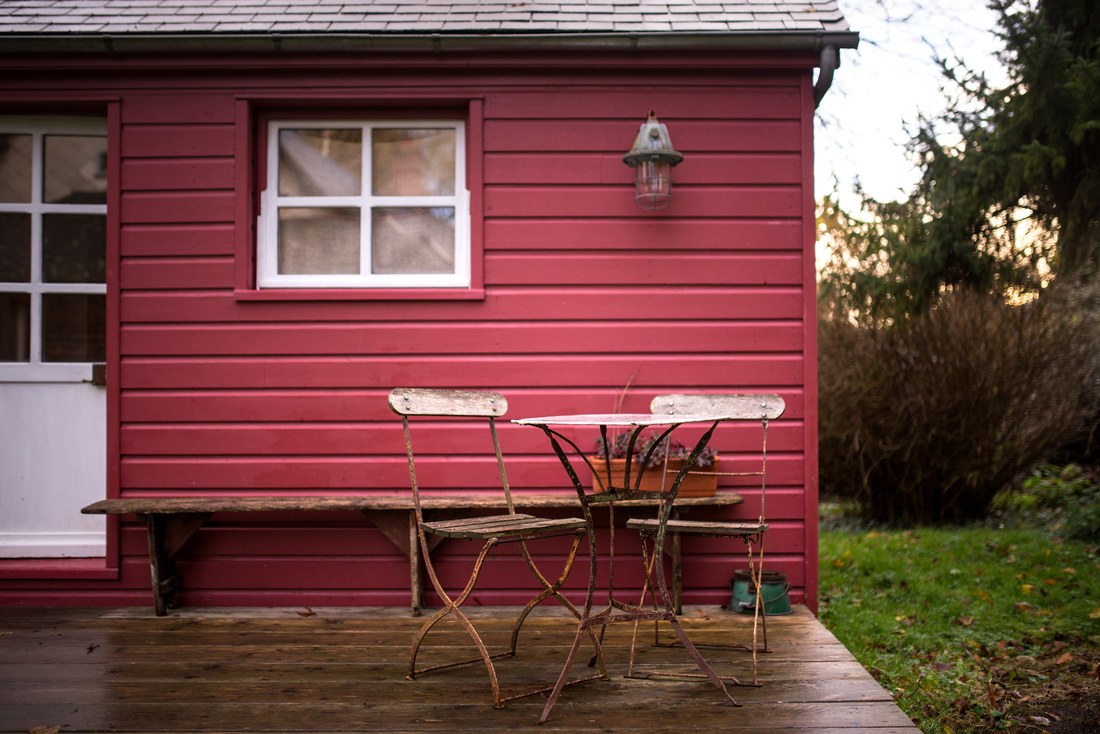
(435, 43)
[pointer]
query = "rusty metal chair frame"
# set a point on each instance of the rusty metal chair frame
(492, 530)
(760, 408)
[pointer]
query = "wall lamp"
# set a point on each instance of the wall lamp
(652, 159)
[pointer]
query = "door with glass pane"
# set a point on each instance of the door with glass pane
(53, 212)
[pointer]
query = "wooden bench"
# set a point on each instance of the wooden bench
(171, 521)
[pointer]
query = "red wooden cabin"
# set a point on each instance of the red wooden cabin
(197, 296)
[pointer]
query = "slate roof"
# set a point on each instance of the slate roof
(416, 16)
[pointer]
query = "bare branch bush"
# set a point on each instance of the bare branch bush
(926, 420)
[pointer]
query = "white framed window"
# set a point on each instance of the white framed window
(364, 204)
(53, 214)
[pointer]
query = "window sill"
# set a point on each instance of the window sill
(361, 294)
(57, 568)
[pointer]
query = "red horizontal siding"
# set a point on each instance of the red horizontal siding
(176, 409)
(161, 174)
(578, 201)
(562, 303)
(637, 232)
(689, 136)
(518, 268)
(159, 239)
(192, 207)
(469, 339)
(688, 269)
(589, 304)
(340, 534)
(176, 108)
(165, 273)
(586, 169)
(177, 141)
(686, 102)
(596, 371)
(384, 437)
(313, 472)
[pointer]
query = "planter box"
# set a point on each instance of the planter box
(695, 485)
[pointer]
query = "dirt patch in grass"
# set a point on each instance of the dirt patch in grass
(1066, 702)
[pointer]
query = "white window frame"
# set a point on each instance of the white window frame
(36, 370)
(267, 275)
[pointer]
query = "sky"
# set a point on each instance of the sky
(882, 87)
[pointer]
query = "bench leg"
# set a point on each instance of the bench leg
(162, 567)
(416, 583)
(167, 535)
(399, 526)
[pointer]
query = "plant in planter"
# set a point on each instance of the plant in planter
(694, 485)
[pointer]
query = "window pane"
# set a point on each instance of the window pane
(15, 168)
(413, 162)
(413, 240)
(320, 162)
(316, 241)
(15, 247)
(75, 169)
(73, 328)
(74, 248)
(15, 330)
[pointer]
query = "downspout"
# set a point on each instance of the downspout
(828, 64)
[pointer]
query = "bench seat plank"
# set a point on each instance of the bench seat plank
(172, 521)
(198, 504)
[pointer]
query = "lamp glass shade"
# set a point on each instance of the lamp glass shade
(653, 184)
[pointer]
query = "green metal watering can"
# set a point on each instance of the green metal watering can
(774, 593)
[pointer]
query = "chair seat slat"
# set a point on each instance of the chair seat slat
(505, 525)
(699, 527)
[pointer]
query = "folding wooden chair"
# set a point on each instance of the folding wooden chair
(759, 408)
(494, 530)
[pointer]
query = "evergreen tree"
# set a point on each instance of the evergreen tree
(1003, 160)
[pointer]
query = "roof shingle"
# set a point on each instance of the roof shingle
(416, 16)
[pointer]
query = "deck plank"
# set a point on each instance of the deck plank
(342, 670)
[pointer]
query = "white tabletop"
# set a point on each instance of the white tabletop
(620, 419)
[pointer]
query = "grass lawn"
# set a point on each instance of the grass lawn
(972, 629)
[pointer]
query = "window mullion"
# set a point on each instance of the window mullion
(38, 160)
(366, 204)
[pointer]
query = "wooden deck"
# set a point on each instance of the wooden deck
(342, 670)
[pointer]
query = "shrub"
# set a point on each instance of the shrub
(924, 421)
(1066, 498)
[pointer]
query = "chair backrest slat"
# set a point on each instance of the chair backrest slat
(747, 406)
(458, 403)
